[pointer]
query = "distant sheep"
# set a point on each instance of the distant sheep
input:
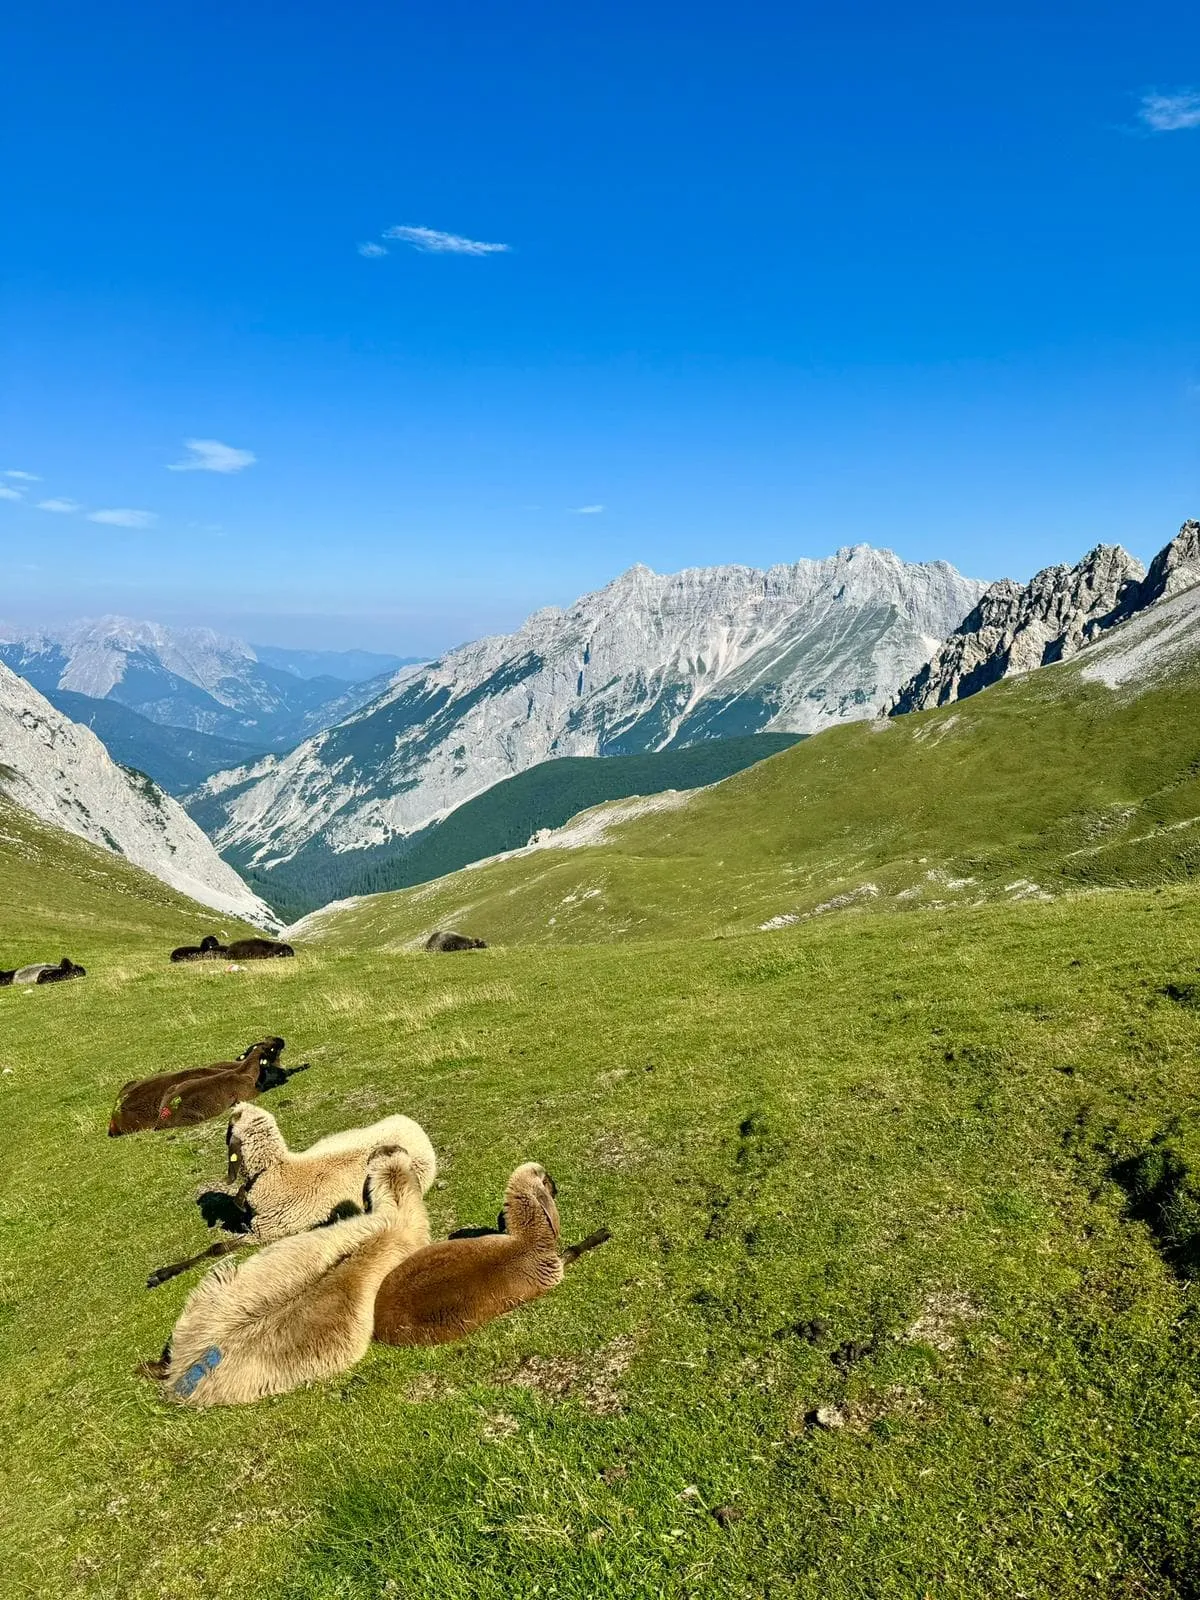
(283, 1192)
(146, 1103)
(448, 1290)
(300, 1310)
(443, 940)
(43, 972)
(209, 949)
(257, 950)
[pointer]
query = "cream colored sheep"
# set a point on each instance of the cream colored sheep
(282, 1192)
(303, 1308)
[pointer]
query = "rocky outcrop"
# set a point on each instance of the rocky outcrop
(1016, 628)
(645, 663)
(63, 774)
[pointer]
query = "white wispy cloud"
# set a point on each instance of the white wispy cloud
(1170, 113)
(372, 250)
(9, 494)
(586, 511)
(59, 505)
(210, 455)
(122, 517)
(25, 477)
(432, 242)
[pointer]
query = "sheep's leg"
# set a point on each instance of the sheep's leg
(593, 1241)
(155, 1369)
(225, 1247)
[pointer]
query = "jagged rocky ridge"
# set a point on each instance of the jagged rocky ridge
(1016, 628)
(63, 774)
(185, 678)
(646, 663)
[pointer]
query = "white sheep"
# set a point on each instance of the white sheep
(300, 1310)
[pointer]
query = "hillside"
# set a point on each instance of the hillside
(1079, 775)
(646, 663)
(503, 818)
(935, 1191)
(65, 896)
(62, 773)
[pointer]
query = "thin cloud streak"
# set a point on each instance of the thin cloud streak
(9, 494)
(586, 511)
(372, 251)
(123, 517)
(1171, 113)
(432, 242)
(25, 477)
(59, 505)
(210, 455)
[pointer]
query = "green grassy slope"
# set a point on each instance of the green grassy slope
(504, 818)
(1039, 785)
(935, 1173)
(61, 895)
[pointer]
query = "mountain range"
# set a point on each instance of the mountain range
(195, 678)
(62, 773)
(645, 664)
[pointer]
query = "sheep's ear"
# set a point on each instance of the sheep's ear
(550, 1212)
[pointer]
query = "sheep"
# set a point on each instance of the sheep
(282, 1191)
(450, 1289)
(257, 949)
(43, 972)
(209, 949)
(300, 1310)
(443, 940)
(146, 1103)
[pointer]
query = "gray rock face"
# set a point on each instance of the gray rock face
(1061, 611)
(648, 662)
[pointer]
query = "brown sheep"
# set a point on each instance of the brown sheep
(209, 949)
(145, 1103)
(443, 940)
(257, 949)
(299, 1310)
(450, 1289)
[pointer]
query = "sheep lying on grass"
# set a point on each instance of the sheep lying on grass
(283, 1192)
(301, 1309)
(257, 949)
(43, 972)
(443, 940)
(209, 949)
(193, 1094)
(448, 1290)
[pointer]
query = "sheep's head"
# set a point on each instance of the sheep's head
(252, 1140)
(266, 1051)
(390, 1170)
(529, 1206)
(209, 943)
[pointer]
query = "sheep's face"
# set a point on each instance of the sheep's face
(249, 1136)
(268, 1051)
(390, 1171)
(530, 1200)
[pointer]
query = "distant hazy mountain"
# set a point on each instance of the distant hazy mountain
(348, 666)
(646, 663)
(184, 678)
(63, 774)
(1016, 627)
(178, 759)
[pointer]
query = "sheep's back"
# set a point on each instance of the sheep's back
(397, 1129)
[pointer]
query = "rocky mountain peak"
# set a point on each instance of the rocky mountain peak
(1016, 628)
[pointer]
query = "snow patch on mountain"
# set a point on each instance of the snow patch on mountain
(62, 773)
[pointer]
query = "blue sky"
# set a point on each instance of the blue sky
(775, 281)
